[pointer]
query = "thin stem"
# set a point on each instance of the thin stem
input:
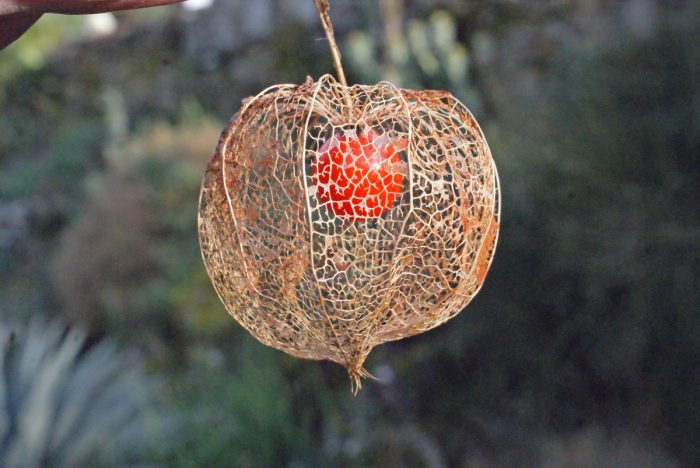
(323, 9)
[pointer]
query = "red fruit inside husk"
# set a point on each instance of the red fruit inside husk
(359, 177)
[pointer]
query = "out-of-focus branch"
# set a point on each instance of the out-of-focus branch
(16, 16)
(13, 26)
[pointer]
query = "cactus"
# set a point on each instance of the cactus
(427, 54)
(64, 405)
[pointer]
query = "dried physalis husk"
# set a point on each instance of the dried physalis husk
(333, 218)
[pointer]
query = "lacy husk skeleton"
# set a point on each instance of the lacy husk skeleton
(318, 285)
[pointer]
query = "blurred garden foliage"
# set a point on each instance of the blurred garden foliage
(584, 343)
(63, 405)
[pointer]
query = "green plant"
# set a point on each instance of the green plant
(64, 405)
(240, 415)
(427, 54)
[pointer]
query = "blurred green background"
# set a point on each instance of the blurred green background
(582, 349)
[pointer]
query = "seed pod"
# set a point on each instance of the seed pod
(326, 266)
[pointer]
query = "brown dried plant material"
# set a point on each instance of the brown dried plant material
(302, 276)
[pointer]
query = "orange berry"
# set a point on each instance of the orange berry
(358, 177)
